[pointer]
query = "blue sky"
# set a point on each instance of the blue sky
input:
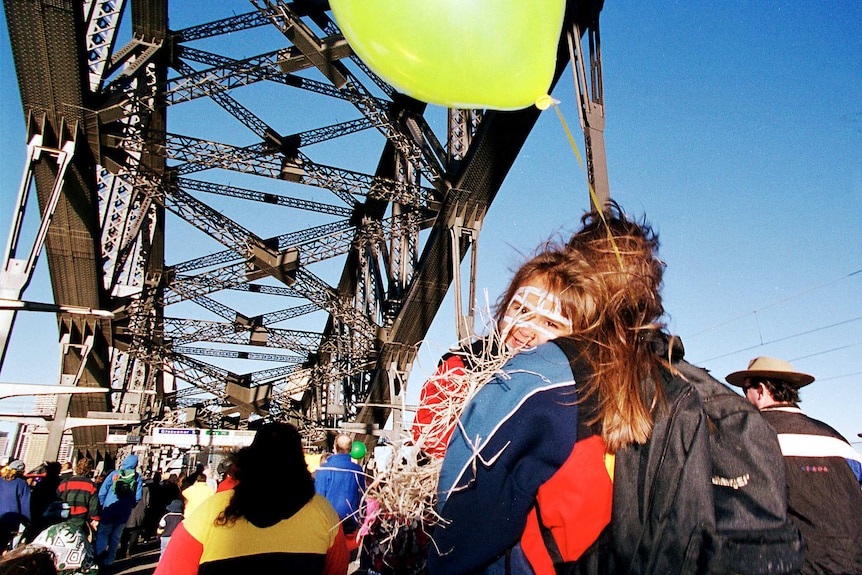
(735, 127)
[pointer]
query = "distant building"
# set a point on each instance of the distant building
(32, 441)
(45, 405)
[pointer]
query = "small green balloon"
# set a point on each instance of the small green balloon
(494, 54)
(357, 450)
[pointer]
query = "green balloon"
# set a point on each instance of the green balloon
(486, 54)
(357, 450)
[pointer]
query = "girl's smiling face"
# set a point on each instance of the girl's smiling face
(533, 317)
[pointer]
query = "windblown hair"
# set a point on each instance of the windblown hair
(552, 264)
(274, 481)
(617, 282)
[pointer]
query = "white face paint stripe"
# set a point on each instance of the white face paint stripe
(526, 321)
(546, 305)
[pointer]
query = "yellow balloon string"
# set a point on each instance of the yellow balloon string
(574, 147)
(593, 197)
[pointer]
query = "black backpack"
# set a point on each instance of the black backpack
(707, 493)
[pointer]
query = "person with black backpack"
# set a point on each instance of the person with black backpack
(707, 492)
(824, 472)
(118, 495)
(527, 480)
(607, 449)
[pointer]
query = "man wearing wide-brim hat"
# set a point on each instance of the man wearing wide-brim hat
(824, 472)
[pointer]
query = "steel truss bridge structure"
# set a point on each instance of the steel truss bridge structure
(245, 192)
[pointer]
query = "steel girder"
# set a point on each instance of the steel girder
(389, 226)
(47, 47)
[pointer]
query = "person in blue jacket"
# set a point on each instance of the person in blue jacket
(526, 484)
(14, 501)
(117, 506)
(342, 482)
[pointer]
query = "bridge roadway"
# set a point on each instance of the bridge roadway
(142, 563)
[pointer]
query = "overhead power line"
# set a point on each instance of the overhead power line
(839, 376)
(825, 351)
(773, 304)
(762, 343)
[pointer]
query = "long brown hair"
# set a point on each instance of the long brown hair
(617, 278)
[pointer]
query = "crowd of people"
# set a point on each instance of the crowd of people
(523, 429)
(87, 519)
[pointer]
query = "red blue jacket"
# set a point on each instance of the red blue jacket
(523, 439)
(429, 430)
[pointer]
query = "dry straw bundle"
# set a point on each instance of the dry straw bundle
(402, 496)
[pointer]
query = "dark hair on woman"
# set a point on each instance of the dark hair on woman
(274, 481)
(617, 285)
(53, 468)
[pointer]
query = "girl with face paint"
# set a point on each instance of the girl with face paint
(535, 308)
(533, 317)
(526, 484)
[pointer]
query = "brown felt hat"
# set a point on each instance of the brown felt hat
(770, 368)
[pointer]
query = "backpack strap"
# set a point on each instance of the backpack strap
(548, 538)
(593, 561)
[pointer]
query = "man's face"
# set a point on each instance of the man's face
(754, 393)
(533, 317)
(750, 389)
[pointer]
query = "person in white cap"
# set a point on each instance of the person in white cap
(823, 470)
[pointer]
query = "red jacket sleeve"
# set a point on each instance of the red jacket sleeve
(182, 555)
(445, 382)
